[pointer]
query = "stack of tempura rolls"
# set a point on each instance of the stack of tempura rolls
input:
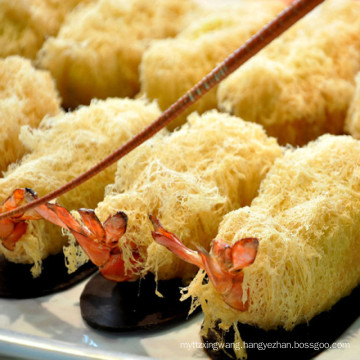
(189, 179)
(63, 147)
(25, 25)
(301, 85)
(26, 96)
(170, 67)
(97, 52)
(306, 220)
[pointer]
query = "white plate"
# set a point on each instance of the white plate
(51, 327)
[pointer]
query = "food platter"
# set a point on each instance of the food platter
(51, 327)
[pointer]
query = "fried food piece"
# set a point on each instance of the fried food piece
(301, 85)
(307, 221)
(63, 147)
(26, 96)
(171, 67)
(352, 123)
(98, 49)
(189, 179)
(25, 25)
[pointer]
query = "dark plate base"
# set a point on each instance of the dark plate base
(307, 340)
(128, 306)
(16, 281)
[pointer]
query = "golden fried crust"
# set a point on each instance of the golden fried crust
(171, 67)
(188, 179)
(306, 218)
(301, 85)
(25, 25)
(98, 49)
(63, 147)
(352, 123)
(26, 96)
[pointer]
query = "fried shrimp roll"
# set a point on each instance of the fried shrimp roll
(63, 147)
(189, 179)
(170, 67)
(98, 49)
(26, 96)
(301, 85)
(25, 25)
(306, 219)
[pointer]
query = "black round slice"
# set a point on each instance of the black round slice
(16, 281)
(304, 342)
(129, 306)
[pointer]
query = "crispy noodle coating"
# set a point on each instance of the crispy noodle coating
(63, 147)
(188, 179)
(352, 123)
(306, 218)
(170, 67)
(301, 85)
(26, 96)
(98, 49)
(25, 24)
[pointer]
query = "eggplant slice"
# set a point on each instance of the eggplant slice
(128, 306)
(307, 340)
(16, 281)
